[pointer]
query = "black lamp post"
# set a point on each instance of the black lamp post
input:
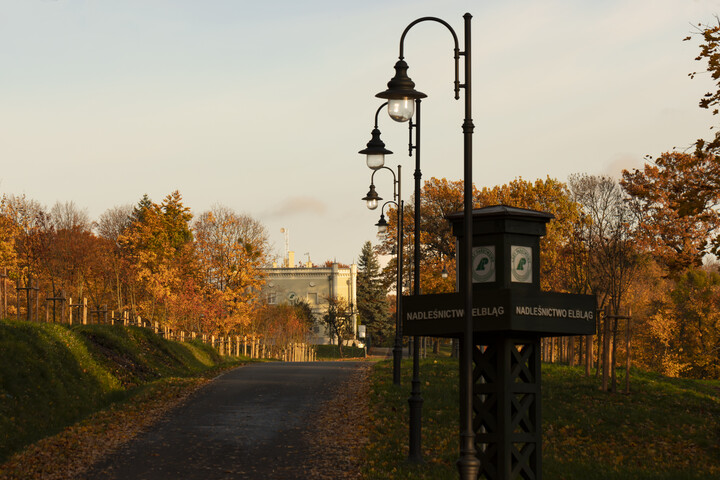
(376, 151)
(372, 201)
(401, 94)
(403, 111)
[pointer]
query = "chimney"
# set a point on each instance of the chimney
(291, 259)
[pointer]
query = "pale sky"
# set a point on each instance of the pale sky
(262, 106)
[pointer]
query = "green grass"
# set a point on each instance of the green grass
(331, 352)
(664, 429)
(53, 375)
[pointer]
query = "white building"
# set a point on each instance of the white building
(313, 285)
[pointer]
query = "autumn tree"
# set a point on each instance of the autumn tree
(68, 216)
(66, 243)
(159, 246)
(231, 249)
(686, 327)
(709, 53)
(338, 320)
(110, 226)
(678, 196)
(28, 218)
(8, 232)
(548, 195)
(281, 325)
(441, 197)
(609, 227)
(372, 297)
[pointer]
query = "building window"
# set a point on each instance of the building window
(313, 298)
(271, 298)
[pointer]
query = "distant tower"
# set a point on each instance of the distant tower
(286, 259)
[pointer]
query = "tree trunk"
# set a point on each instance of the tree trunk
(605, 350)
(588, 354)
(627, 352)
(614, 353)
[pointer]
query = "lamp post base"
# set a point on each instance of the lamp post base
(468, 464)
(397, 358)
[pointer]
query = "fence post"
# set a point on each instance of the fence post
(84, 311)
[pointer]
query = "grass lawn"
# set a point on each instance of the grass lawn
(52, 375)
(664, 429)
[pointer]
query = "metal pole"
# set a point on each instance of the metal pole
(415, 400)
(397, 349)
(468, 464)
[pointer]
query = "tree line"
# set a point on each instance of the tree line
(643, 245)
(646, 245)
(154, 260)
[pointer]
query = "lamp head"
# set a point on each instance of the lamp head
(401, 94)
(372, 198)
(375, 151)
(382, 226)
(444, 273)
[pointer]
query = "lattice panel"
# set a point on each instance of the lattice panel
(506, 396)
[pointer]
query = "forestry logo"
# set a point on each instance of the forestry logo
(483, 264)
(521, 258)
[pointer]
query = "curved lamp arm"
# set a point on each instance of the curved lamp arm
(455, 39)
(395, 180)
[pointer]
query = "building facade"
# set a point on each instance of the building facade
(314, 285)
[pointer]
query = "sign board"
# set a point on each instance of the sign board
(502, 310)
(361, 331)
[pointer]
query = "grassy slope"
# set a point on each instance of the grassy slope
(665, 429)
(54, 375)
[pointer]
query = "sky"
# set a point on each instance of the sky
(263, 106)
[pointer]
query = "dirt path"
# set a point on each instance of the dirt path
(273, 420)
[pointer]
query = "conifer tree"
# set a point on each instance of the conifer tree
(371, 297)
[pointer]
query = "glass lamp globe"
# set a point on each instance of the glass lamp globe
(372, 203)
(375, 161)
(401, 110)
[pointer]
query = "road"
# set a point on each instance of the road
(250, 423)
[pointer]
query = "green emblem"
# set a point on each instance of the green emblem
(521, 258)
(483, 264)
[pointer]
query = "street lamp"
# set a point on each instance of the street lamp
(382, 225)
(372, 199)
(400, 92)
(375, 149)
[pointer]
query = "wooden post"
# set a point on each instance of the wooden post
(606, 349)
(37, 301)
(84, 311)
(27, 288)
(3, 293)
(588, 354)
(628, 335)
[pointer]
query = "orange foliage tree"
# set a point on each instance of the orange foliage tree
(441, 197)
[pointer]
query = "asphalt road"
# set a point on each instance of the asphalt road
(249, 423)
